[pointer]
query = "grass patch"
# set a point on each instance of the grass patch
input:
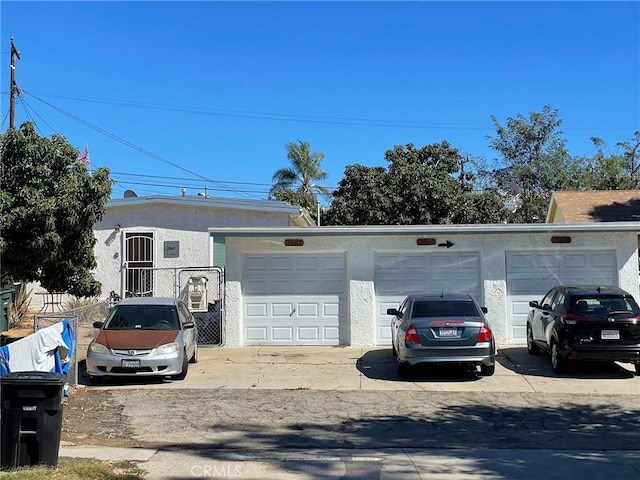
(78, 469)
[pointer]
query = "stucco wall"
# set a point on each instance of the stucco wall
(187, 225)
(360, 252)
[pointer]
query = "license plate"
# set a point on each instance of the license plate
(448, 332)
(130, 363)
(610, 335)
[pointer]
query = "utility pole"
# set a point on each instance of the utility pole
(14, 87)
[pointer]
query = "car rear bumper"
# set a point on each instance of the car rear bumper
(482, 353)
(112, 365)
(594, 353)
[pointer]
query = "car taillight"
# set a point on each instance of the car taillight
(572, 319)
(412, 335)
(484, 335)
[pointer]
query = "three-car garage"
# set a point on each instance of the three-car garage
(335, 285)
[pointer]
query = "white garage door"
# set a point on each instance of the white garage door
(293, 299)
(397, 275)
(531, 274)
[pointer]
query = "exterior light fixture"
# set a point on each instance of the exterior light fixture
(294, 242)
(426, 241)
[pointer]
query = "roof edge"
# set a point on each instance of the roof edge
(400, 230)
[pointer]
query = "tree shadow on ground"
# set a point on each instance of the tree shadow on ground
(457, 431)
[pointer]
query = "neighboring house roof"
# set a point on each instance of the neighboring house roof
(594, 206)
(299, 217)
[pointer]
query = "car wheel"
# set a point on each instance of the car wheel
(532, 348)
(487, 370)
(403, 369)
(194, 357)
(558, 364)
(638, 369)
(185, 368)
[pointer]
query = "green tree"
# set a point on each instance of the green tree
(425, 185)
(605, 171)
(48, 206)
(362, 198)
(534, 162)
(298, 182)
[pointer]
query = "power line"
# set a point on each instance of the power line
(127, 143)
(273, 115)
(329, 120)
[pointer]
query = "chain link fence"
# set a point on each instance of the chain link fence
(81, 322)
(201, 288)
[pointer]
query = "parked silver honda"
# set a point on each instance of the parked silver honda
(144, 336)
(446, 328)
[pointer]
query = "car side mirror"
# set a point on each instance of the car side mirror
(188, 325)
(484, 309)
(393, 311)
(534, 304)
(98, 324)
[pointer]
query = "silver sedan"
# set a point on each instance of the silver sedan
(144, 336)
(446, 328)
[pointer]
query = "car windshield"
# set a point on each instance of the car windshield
(597, 305)
(448, 308)
(143, 317)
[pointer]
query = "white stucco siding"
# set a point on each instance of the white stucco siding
(361, 250)
(187, 225)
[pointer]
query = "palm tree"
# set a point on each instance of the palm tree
(298, 180)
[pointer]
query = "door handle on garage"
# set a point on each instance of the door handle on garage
(292, 312)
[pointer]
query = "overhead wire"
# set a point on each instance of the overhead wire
(129, 144)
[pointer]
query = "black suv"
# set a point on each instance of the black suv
(585, 322)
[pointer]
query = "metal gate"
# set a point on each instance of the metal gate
(201, 288)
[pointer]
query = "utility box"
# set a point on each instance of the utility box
(197, 294)
(6, 297)
(31, 418)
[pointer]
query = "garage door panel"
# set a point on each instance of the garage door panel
(575, 261)
(257, 310)
(308, 310)
(331, 309)
(531, 274)
(256, 334)
(308, 333)
(281, 309)
(398, 275)
(282, 334)
(293, 300)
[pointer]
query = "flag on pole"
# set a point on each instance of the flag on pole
(84, 156)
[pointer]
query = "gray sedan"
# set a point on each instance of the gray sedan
(446, 328)
(144, 336)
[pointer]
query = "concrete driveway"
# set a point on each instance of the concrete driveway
(373, 368)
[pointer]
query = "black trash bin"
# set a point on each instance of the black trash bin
(31, 422)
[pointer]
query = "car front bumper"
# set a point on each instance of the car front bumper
(99, 364)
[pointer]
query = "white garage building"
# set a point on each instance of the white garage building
(333, 285)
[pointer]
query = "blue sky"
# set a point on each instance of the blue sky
(206, 94)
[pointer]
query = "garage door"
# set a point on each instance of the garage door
(531, 274)
(293, 299)
(397, 275)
